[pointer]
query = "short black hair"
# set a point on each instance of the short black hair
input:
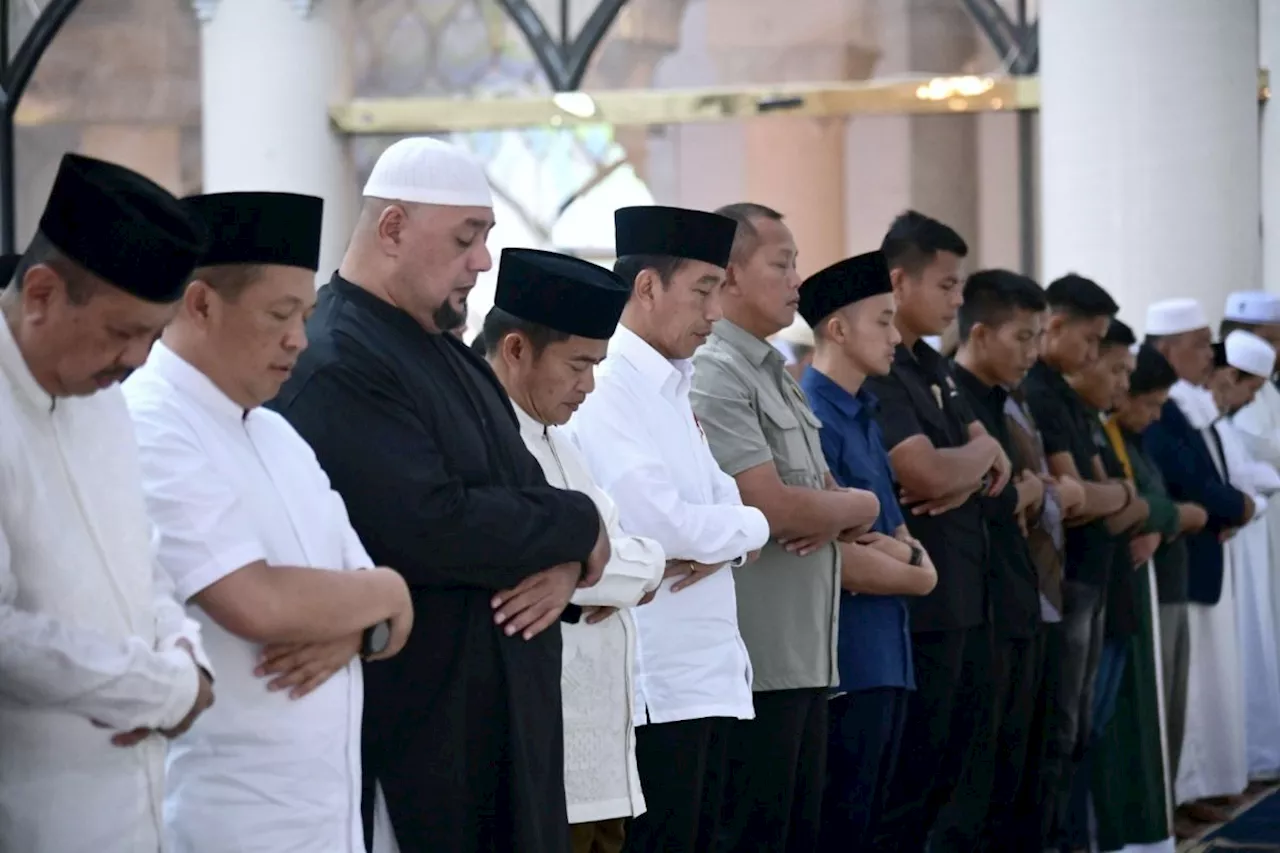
(746, 237)
(1151, 372)
(1229, 326)
(498, 324)
(477, 345)
(628, 267)
(81, 284)
(992, 296)
(914, 240)
(1118, 335)
(1081, 298)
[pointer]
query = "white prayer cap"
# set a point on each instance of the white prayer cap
(1175, 316)
(422, 170)
(1251, 354)
(1252, 306)
(798, 333)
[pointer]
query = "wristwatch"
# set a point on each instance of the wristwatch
(917, 555)
(376, 639)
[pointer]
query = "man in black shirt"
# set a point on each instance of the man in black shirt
(1080, 313)
(999, 331)
(463, 731)
(943, 459)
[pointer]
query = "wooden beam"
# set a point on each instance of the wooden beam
(680, 106)
(648, 107)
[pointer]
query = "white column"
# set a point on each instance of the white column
(1149, 147)
(270, 71)
(1269, 50)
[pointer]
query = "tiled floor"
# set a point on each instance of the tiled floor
(1254, 829)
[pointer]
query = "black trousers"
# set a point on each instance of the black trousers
(1031, 816)
(952, 699)
(777, 771)
(862, 753)
(683, 773)
(983, 811)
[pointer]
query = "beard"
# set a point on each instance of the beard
(449, 319)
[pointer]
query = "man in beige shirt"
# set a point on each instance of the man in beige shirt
(763, 434)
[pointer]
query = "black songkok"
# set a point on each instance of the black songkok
(566, 294)
(280, 229)
(123, 228)
(1151, 372)
(675, 233)
(843, 283)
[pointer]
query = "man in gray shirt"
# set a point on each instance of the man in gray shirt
(763, 434)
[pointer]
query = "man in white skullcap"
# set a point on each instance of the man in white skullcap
(463, 731)
(1187, 448)
(1258, 425)
(795, 342)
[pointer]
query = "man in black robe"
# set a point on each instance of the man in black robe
(463, 737)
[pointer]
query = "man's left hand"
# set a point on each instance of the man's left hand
(302, 667)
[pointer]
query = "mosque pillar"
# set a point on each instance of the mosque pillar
(270, 71)
(1149, 148)
(1269, 49)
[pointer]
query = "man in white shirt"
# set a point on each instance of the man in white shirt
(552, 319)
(96, 657)
(647, 451)
(260, 547)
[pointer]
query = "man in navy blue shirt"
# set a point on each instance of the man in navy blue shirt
(850, 307)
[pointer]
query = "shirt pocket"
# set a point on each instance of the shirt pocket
(785, 430)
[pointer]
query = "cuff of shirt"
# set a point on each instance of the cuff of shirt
(186, 688)
(757, 529)
(192, 635)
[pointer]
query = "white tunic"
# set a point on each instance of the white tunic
(1212, 763)
(1258, 601)
(645, 449)
(88, 626)
(260, 771)
(600, 776)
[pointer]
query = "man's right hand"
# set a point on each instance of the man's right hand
(536, 602)
(689, 572)
(1192, 518)
(1070, 495)
(593, 566)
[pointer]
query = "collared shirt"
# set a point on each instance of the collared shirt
(1046, 536)
(601, 780)
(754, 413)
(1015, 597)
(875, 635)
(646, 450)
(919, 397)
(1067, 426)
(260, 771)
(89, 626)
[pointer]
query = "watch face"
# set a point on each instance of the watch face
(379, 638)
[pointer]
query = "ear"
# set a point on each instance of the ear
(646, 286)
(197, 302)
(513, 349)
(42, 290)
(731, 279)
(391, 227)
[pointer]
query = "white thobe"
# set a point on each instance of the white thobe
(88, 626)
(645, 449)
(600, 776)
(1212, 762)
(260, 772)
(1258, 598)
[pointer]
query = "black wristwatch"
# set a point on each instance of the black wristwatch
(917, 555)
(376, 639)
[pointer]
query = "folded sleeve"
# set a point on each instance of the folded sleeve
(628, 464)
(49, 664)
(413, 513)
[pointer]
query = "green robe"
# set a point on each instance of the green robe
(1130, 790)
